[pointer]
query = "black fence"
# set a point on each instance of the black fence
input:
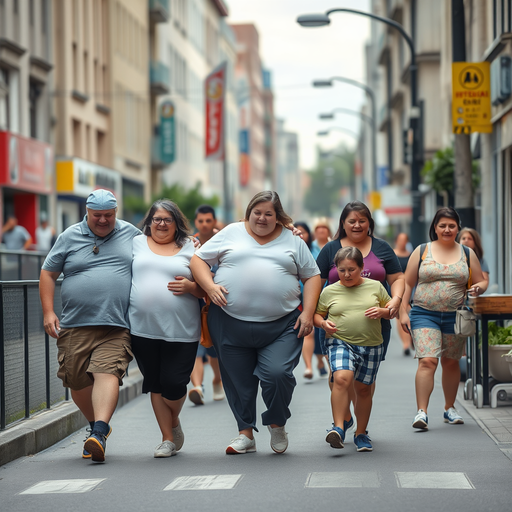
(28, 357)
(18, 265)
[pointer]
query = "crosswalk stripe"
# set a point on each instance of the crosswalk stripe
(64, 486)
(433, 480)
(202, 483)
(343, 479)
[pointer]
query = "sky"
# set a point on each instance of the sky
(297, 56)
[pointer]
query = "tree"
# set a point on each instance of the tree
(333, 171)
(187, 200)
(438, 172)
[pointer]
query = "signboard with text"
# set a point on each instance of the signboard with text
(471, 97)
(167, 133)
(215, 90)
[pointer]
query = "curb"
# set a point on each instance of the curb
(39, 432)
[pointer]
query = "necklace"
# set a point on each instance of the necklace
(96, 248)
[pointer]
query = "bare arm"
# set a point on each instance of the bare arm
(480, 283)
(397, 284)
(27, 243)
(310, 294)
(204, 278)
(411, 279)
(47, 293)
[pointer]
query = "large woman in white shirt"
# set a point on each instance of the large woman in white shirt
(254, 319)
(164, 316)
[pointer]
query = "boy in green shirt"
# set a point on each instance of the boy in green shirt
(354, 306)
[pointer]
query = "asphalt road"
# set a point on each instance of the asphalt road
(450, 467)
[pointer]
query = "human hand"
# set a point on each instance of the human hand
(216, 294)
(394, 306)
(196, 242)
(376, 313)
(329, 326)
(306, 325)
(181, 286)
(475, 291)
(405, 322)
(295, 231)
(51, 324)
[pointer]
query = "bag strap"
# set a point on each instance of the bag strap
(468, 263)
(423, 254)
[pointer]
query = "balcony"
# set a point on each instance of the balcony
(159, 11)
(159, 78)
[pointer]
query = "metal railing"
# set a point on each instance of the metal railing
(28, 360)
(18, 265)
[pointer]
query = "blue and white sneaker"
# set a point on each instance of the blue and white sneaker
(453, 417)
(421, 420)
(85, 453)
(335, 437)
(363, 443)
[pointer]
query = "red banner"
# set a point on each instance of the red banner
(215, 89)
(25, 164)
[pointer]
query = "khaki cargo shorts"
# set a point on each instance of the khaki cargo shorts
(83, 351)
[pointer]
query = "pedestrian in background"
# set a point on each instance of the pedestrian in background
(403, 253)
(254, 320)
(322, 234)
(206, 224)
(440, 275)
(354, 343)
(164, 316)
(14, 236)
(93, 339)
(470, 238)
(45, 234)
(311, 343)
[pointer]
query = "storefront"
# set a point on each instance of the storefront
(76, 179)
(26, 179)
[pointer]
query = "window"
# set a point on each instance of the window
(35, 90)
(502, 17)
(77, 138)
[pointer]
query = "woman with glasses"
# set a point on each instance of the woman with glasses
(164, 316)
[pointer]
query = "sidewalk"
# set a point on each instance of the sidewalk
(49, 427)
(496, 423)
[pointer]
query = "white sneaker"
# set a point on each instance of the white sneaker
(278, 439)
(166, 449)
(178, 436)
(453, 417)
(420, 420)
(218, 392)
(241, 444)
(195, 395)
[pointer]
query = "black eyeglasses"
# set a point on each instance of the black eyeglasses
(158, 220)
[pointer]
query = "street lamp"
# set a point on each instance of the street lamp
(320, 20)
(330, 115)
(323, 133)
(371, 95)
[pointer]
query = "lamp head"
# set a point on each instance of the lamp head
(329, 115)
(322, 133)
(322, 83)
(313, 20)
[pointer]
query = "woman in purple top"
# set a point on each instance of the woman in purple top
(380, 261)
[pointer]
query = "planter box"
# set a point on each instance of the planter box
(491, 304)
(498, 366)
(508, 358)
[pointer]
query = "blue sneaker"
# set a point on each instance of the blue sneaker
(362, 441)
(335, 437)
(453, 417)
(421, 420)
(348, 424)
(96, 444)
(85, 453)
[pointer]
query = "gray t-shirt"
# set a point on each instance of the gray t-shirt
(154, 311)
(15, 239)
(96, 287)
(262, 280)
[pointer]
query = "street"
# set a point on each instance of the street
(450, 467)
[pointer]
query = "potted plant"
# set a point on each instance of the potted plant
(500, 342)
(508, 359)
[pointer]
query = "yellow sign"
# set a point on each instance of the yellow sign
(471, 97)
(374, 200)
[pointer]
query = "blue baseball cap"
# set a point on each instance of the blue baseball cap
(101, 199)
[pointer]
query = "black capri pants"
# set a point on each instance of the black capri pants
(165, 365)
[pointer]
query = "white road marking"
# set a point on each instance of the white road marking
(64, 486)
(433, 480)
(203, 483)
(344, 479)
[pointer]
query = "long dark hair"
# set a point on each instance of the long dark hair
(182, 225)
(354, 206)
(304, 227)
(449, 213)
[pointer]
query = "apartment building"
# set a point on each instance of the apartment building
(184, 49)
(26, 156)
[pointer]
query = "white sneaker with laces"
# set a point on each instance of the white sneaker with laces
(195, 395)
(218, 392)
(421, 420)
(278, 439)
(453, 417)
(178, 436)
(165, 449)
(241, 444)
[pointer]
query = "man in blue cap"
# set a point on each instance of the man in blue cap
(92, 333)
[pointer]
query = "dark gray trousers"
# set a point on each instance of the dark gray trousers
(252, 353)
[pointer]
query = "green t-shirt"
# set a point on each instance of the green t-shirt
(346, 307)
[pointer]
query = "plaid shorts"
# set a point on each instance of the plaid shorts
(363, 361)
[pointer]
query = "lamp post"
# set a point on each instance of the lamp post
(371, 95)
(323, 133)
(320, 20)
